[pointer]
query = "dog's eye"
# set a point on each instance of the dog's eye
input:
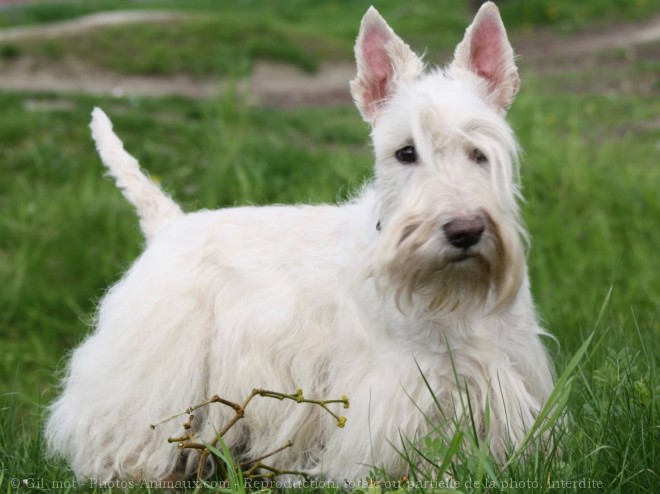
(406, 155)
(478, 157)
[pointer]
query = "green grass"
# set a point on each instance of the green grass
(590, 178)
(232, 35)
(338, 14)
(66, 234)
(301, 32)
(230, 44)
(569, 16)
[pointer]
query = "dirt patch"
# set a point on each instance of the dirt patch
(615, 59)
(88, 22)
(283, 85)
(73, 75)
(269, 84)
(546, 43)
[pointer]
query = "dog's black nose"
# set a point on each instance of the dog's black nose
(464, 232)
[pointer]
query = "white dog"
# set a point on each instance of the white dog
(424, 272)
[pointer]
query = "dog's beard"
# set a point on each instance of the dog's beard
(427, 277)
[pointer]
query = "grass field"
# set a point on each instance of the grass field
(590, 174)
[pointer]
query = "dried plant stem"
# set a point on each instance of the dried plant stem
(274, 472)
(268, 455)
(188, 440)
(189, 410)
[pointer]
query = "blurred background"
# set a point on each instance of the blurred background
(228, 103)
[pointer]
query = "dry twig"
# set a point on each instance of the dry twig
(188, 440)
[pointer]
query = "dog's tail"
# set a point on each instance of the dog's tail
(155, 208)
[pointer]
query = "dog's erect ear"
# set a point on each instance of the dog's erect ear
(383, 61)
(486, 52)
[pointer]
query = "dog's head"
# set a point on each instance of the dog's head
(446, 166)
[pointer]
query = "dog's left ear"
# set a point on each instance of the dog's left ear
(486, 52)
(383, 62)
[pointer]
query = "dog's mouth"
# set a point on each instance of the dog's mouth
(463, 262)
(461, 257)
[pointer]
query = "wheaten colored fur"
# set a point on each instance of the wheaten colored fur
(350, 300)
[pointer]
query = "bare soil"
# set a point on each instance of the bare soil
(544, 52)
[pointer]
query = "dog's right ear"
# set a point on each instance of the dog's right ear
(383, 62)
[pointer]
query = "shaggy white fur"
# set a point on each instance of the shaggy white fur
(426, 266)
